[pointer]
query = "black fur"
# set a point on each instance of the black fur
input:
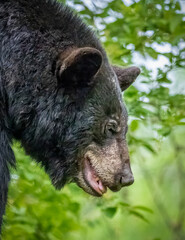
(55, 123)
(6, 154)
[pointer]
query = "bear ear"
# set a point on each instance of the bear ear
(126, 76)
(77, 67)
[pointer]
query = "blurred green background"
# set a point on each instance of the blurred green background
(149, 34)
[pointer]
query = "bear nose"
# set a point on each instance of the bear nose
(126, 177)
(122, 180)
(126, 180)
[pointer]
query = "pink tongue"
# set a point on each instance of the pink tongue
(93, 180)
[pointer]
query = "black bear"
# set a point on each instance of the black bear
(61, 98)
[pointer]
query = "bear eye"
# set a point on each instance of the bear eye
(112, 127)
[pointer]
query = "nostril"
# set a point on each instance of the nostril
(126, 180)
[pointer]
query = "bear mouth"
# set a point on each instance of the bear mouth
(92, 179)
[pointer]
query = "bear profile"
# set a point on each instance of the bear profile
(61, 98)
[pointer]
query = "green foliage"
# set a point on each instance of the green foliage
(110, 211)
(149, 34)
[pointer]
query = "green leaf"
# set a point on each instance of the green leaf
(123, 204)
(139, 215)
(134, 125)
(149, 147)
(143, 208)
(110, 211)
(165, 131)
(174, 23)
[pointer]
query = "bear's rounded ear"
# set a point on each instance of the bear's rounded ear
(77, 67)
(126, 76)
